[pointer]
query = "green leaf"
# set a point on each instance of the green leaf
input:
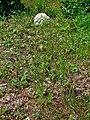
(71, 117)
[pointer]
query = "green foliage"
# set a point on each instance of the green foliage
(7, 42)
(22, 82)
(83, 24)
(44, 6)
(71, 117)
(35, 115)
(8, 7)
(87, 117)
(74, 7)
(50, 7)
(46, 59)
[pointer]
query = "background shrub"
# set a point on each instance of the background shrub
(49, 7)
(74, 7)
(8, 7)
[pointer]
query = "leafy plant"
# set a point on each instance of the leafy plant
(8, 7)
(23, 82)
(87, 116)
(8, 42)
(71, 117)
(45, 6)
(35, 115)
(74, 7)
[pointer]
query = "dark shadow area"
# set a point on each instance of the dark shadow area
(9, 7)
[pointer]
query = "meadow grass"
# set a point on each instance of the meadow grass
(53, 60)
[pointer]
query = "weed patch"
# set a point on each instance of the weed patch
(46, 68)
